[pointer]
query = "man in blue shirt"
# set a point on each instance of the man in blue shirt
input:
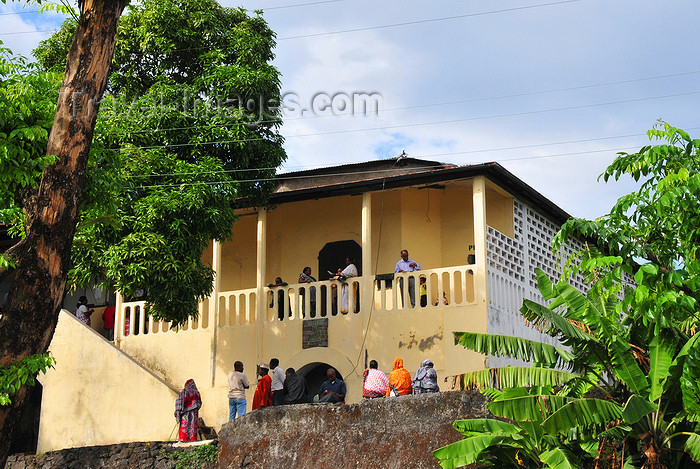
(408, 265)
(332, 390)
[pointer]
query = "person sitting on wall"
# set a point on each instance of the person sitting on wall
(374, 382)
(305, 277)
(425, 379)
(277, 384)
(280, 297)
(263, 391)
(400, 382)
(405, 264)
(332, 390)
(295, 388)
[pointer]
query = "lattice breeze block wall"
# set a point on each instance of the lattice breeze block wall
(516, 258)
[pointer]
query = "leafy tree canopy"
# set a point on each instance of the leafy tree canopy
(630, 394)
(176, 142)
(27, 106)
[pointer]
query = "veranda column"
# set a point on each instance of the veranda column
(214, 307)
(367, 285)
(118, 319)
(480, 280)
(260, 299)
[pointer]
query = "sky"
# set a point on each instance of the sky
(551, 90)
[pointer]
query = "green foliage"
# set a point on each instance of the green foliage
(27, 107)
(195, 458)
(160, 227)
(22, 373)
(634, 357)
(175, 145)
(196, 77)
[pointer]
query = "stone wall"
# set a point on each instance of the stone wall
(152, 455)
(389, 433)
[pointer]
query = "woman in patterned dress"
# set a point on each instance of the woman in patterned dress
(187, 411)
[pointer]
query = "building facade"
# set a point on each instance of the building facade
(478, 233)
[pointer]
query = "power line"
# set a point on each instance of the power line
(420, 124)
(393, 25)
(432, 20)
(300, 5)
(383, 171)
(23, 12)
(446, 103)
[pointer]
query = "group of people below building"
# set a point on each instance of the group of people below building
(399, 382)
(288, 387)
(285, 387)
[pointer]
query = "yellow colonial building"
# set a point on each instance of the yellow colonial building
(477, 231)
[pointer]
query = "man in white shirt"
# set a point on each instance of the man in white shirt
(277, 386)
(408, 265)
(237, 384)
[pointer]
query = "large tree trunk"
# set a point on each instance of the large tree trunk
(43, 256)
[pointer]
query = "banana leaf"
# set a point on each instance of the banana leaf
(692, 446)
(627, 369)
(557, 458)
(470, 427)
(515, 347)
(464, 452)
(528, 408)
(582, 413)
(636, 408)
(515, 376)
(661, 351)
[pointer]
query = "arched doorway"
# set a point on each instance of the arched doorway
(332, 257)
(315, 375)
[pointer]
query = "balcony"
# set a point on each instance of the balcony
(446, 288)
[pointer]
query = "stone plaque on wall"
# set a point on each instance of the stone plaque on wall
(315, 333)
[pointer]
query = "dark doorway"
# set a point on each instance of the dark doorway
(27, 430)
(333, 256)
(315, 374)
(330, 259)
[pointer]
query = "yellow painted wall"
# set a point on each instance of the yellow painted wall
(457, 225)
(297, 231)
(499, 211)
(97, 395)
(435, 225)
(238, 256)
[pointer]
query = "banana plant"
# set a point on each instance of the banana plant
(602, 391)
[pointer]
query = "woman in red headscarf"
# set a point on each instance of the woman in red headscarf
(187, 411)
(400, 379)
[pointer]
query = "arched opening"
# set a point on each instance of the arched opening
(331, 258)
(315, 375)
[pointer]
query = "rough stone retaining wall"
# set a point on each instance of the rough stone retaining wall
(382, 433)
(388, 433)
(153, 455)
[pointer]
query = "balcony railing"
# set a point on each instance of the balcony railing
(445, 287)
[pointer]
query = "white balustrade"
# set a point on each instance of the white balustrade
(444, 288)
